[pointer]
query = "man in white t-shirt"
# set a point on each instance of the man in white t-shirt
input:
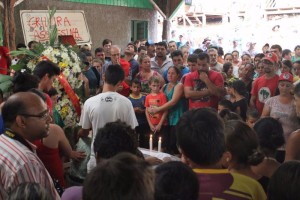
(108, 106)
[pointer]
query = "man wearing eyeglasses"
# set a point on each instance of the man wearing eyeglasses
(27, 119)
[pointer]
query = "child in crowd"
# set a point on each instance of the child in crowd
(239, 102)
(287, 66)
(251, 117)
(296, 67)
(224, 104)
(138, 101)
(156, 98)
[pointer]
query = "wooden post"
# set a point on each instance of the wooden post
(9, 29)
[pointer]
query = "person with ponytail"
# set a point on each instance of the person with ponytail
(242, 149)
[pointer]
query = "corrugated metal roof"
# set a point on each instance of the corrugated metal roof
(125, 3)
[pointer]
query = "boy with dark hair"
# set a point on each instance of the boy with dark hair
(252, 116)
(287, 54)
(224, 104)
(106, 107)
(106, 44)
(122, 177)
(47, 72)
(138, 100)
(175, 180)
(200, 139)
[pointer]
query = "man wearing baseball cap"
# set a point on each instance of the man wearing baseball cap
(265, 86)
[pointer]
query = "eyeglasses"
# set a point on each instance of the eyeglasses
(43, 115)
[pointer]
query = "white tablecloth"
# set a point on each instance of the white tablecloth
(160, 155)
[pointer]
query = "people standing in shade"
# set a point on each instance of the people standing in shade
(185, 55)
(106, 44)
(47, 72)
(138, 102)
(228, 70)
(142, 50)
(172, 46)
(282, 106)
(177, 59)
(287, 54)
(175, 106)
(252, 117)
(213, 62)
(285, 182)
(270, 137)
(146, 73)
(157, 122)
(26, 119)
(115, 53)
(259, 70)
(236, 63)
(242, 150)
(134, 65)
(239, 100)
(161, 62)
(296, 57)
(203, 87)
(175, 180)
(100, 55)
(200, 140)
(265, 86)
(114, 105)
(246, 73)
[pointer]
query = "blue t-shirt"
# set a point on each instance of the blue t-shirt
(139, 103)
(1, 125)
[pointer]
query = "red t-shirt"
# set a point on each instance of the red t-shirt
(155, 101)
(125, 65)
(263, 89)
(4, 57)
(192, 80)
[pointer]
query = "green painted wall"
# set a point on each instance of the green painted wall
(126, 3)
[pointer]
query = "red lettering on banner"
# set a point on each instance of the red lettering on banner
(58, 21)
(66, 21)
(38, 26)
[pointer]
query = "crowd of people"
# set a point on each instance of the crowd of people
(232, 119)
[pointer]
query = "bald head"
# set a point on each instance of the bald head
(18, 103)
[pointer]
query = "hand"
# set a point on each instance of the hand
(139, 110)
(203, 77)
(83, 78)
(78, 155)
(153, 160)
(154, 110)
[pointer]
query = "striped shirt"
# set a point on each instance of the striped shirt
(18, 164)
(220, 184)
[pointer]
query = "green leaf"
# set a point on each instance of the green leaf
(18, 66)
(52, 27)
(24, 51)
